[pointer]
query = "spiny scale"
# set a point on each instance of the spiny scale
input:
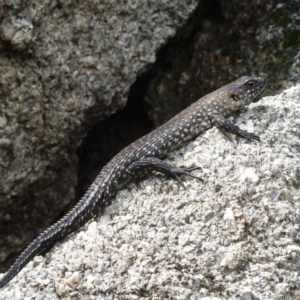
(144, 155)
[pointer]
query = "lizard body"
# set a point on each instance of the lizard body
(144, 155)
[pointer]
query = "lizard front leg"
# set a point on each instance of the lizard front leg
(229, 127)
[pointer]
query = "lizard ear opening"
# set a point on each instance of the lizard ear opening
(234, 97)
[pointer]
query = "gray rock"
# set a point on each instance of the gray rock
(64, 66)
(235, 236)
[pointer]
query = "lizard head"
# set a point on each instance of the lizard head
(246, 88)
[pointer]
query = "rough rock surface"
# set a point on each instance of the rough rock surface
(64, 66)
(234, 237)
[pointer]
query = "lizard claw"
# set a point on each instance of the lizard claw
(175, 171)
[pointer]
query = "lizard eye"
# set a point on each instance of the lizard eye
(250, 83)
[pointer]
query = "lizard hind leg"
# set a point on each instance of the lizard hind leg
(147, 165)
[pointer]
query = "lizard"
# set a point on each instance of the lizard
(145, 156)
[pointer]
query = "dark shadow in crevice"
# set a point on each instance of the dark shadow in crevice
(108, 137)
